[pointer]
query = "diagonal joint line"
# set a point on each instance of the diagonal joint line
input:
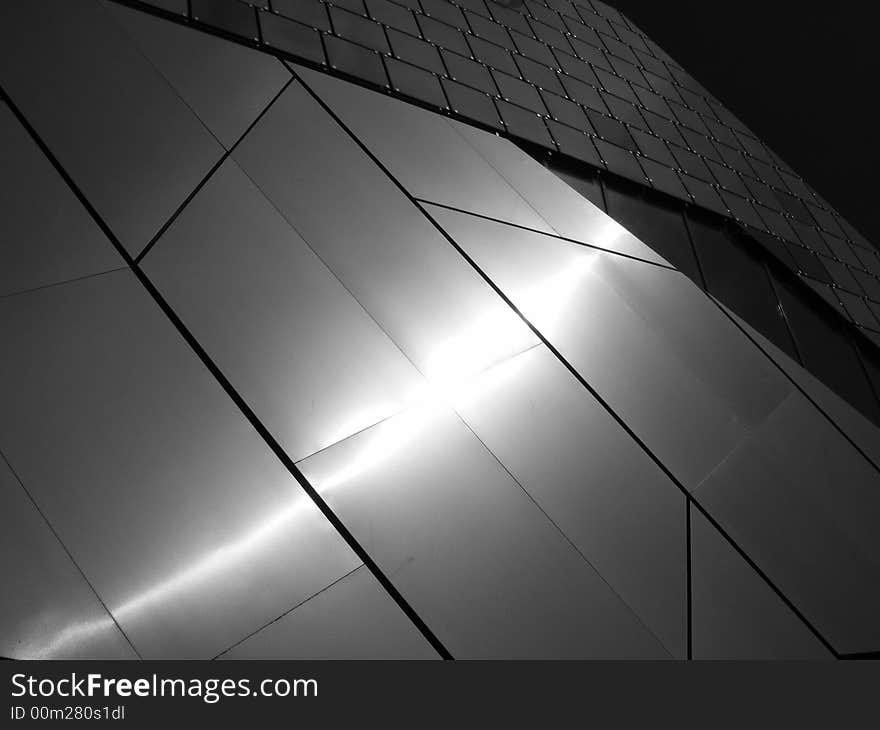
(239, 401)
(64, 547)
(210, 174)
(605, 405)
(797, 385)
(593, 246)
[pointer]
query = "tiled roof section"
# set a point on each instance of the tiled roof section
(578, 78)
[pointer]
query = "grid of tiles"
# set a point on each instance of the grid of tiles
(577, 77)
(470, 416)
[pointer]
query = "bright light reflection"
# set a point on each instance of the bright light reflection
(230, 557)
(458, 370)
(379, 443)
(233, 556)
(361, 419)
(545, 304)
(490, 338)
(607, 233)
(61, 644)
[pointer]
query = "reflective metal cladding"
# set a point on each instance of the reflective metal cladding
(573, 78)
(161, 491)
(295, 369)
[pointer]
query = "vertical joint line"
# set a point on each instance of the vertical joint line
(556, 353)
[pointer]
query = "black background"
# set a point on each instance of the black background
(800, 75)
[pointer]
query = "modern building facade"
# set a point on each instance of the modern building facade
(418, 329)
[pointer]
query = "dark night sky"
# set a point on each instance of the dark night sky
(801, 76)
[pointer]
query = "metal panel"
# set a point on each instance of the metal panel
(186, 524)
(648, 91)
(864, 434)
(586, 473)
(567, 212)
(443, 316)
(423, 152)
(47, 235)
(303, 353)
(736, 615)
(804, 505)
(115, 124)
(672, 366)
(225, 84)
(737, 276)
(661, 226)
(466, 546)
(48, 610)
(352, 619)
(826, 348)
